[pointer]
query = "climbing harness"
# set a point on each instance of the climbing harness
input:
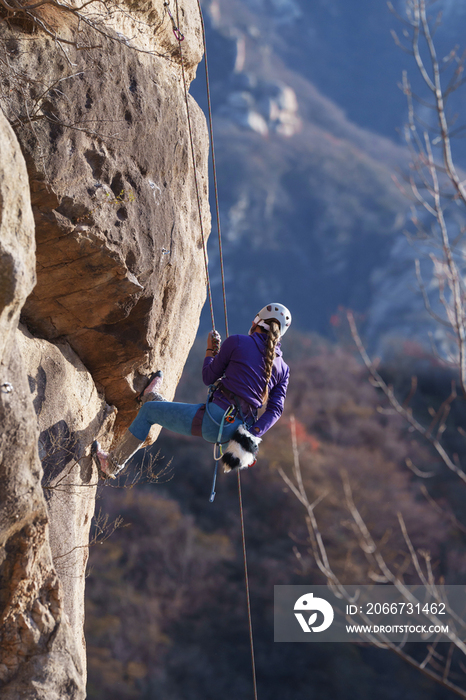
(230, 415)
(180, 38)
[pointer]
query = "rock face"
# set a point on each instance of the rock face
(119, 251)
(101, 119)
(38, 653)
(70, 413)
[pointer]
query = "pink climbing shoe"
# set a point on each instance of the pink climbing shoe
(102, 461)
(152, 390)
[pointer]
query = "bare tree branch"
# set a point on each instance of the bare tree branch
(404, 412)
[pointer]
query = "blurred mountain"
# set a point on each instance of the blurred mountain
(306, 106)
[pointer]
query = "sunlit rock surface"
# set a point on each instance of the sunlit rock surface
(39, 657)
(115, 294)
(119, 250)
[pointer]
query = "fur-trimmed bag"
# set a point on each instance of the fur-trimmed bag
(241, 451)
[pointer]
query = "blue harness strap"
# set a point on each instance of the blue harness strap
(229, 416)
(218, 444)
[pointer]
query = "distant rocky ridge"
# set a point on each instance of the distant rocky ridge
(262, 106)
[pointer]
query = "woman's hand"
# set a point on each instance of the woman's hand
(213, 343)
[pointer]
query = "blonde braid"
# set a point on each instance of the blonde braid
(273, 336)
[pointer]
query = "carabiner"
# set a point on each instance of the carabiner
(219, 450)
(179, 36)
(230, 415)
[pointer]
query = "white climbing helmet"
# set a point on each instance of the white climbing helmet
(277, 311)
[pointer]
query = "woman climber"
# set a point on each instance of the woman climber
(252, 373)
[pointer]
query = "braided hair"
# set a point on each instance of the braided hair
(273, 336)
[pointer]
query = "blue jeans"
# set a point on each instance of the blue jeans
(178, 418)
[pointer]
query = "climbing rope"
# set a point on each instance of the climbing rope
(246, 579)
(180, 38)
(214, 169)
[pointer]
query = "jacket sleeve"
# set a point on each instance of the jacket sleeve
(214, 367)
(274, 409)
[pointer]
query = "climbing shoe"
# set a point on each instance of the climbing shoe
(102, 461)
(151, 391)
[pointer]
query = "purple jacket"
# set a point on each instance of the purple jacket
(240, 363)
